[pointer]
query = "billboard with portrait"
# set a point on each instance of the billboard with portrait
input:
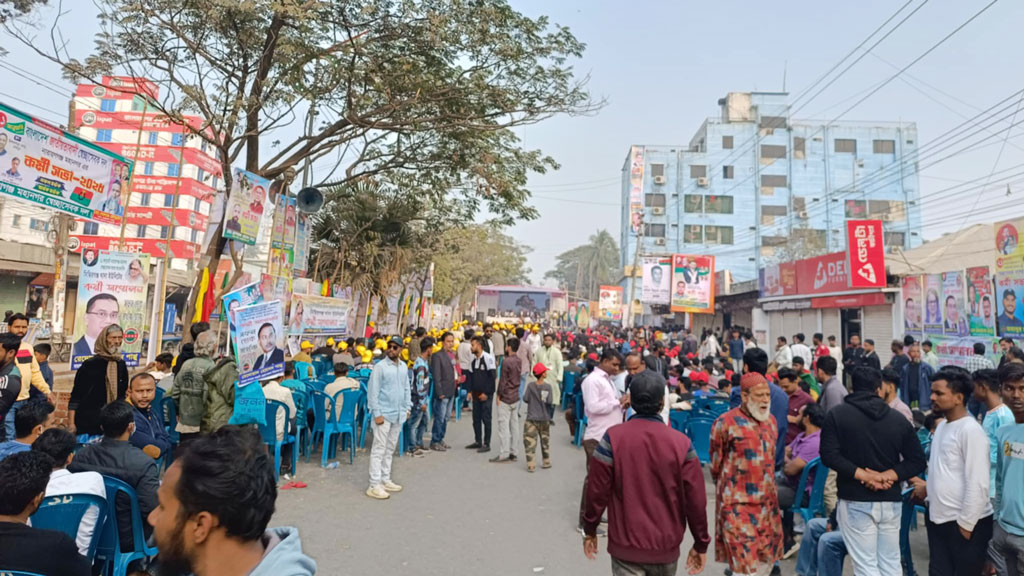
(910, 289)
(244, 211)
(318, 315)
(112, 289)
(1008, 296)
(1009, 252)
(980, 305)
(259, 344)
(636, 188)
(609, 303)
(657, 279)
(693, 284)
(932, 311)
(245, 296)
(954, 320)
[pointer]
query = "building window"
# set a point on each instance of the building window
(173, 169)
(846, 146)
(698, 171)
(650, 200)
(770, 213)
(728, 171)
(108, 105)
(104, 135)
(892, 210)
(773, 180)
(718, 205)
(693, 234)
(144, 199)
(654, 230)
(198, 205)
(138, 103)
(177, 139)
(773, 122)
(16, 221)
(718, 234)
(164, 231)
(142, 231)
(773, 151)
(883, 146)
(147, 168)
(799, 204)
(91, 228)
(203, 145)
(152, 138)
(895, 239)
(200, 175)
(856, 209)
(727, 142)
(799, 148)
(657, 170)
(168, 200)
(774, 240)
(694, 203)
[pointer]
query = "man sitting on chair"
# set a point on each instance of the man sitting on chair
(799, 452)
(59, 445)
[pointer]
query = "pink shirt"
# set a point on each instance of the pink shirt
(601, 404)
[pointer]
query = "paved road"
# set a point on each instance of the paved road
(458, 514)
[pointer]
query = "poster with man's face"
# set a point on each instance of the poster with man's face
(656, 282)
(259, 350)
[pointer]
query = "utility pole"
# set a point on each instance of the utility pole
(63, 224)
(632, 275)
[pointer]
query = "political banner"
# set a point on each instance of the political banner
(865, 254)
(112, 289)
(656, 287)
(955, 350)
(609, 303)
(583, 315)
(955, 322)
(693, 284)
(281, 261)
(1009, 252)
(981, 310)
(245, 207)
(259, 344)
(302, 231)
(932, 304)
(276, 288)
(428, 287)
(284, 223)
(245, 296)
(1009, 294)
(911, 290)
(318, 315)
(44, 165)
(636, 188)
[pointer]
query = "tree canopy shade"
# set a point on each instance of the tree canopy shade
(12, 8)
(430, 88)
(582, 270)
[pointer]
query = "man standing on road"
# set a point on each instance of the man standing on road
(508, 404)
(872, 448)
(1008, 536)
(389, 400)
(832, 389)
(442, 370)
(915, 382)
(798, 348)
(649, 478)
(603, 408)
(789, 381)
(783, 355)
(25, 363)
(852, 354)
(481, 387)
(497, 340)
(748, 527)
(550, 355)
(870, 357)
(656, 361)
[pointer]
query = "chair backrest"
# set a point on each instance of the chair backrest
(365, 373)
(158, 395)
(678, 419)
(108, 546)
(801, 486)
(351, 400)
(269, 430)
(301, 400)
(568, 382)
(698, 428)
(170, 418)
(304, 371)
(579, 409)
(817, 504)
(64, 513)
(323, 410)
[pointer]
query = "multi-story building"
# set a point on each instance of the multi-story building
(113, 114)
(754, 186)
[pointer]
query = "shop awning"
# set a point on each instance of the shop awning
(44, 279)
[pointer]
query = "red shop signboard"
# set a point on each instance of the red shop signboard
(866, 253)
(822, 275)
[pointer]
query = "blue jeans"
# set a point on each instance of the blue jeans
(821, 552)
(417, 426)
(9, 419)
(871, 531)
(442, 410)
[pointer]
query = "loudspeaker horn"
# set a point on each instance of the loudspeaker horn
(309, 200)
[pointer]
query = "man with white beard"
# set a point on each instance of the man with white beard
(748, 527)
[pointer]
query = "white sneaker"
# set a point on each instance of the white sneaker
(392, 487)
(377, 492)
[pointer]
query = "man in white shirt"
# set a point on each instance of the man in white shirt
(59, 445)
(783, 355)
(273, 390)
(798, 348)
(341, 382)
(959, 510)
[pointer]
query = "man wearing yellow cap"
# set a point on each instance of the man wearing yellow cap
(304, 356)
(344, 355)
(326, 350)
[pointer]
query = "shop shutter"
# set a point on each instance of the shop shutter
(877, 325)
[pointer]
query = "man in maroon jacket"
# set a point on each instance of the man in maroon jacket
(650, 479)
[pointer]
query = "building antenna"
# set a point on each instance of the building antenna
(785, 64)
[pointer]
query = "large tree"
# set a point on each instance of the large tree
(431, 87)
(583, 269)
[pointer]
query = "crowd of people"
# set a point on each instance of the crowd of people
(944, 437)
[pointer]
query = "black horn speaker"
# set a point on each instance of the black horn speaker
(309, 200)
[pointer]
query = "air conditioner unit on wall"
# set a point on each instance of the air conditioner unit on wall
(658, 211)
(886, 218)
(659, 179)
(659, 241)
(702, 182)
(895, 249)
(803, 215)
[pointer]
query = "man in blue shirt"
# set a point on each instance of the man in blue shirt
(1008, 534)
(389, 400)
(150, 435)
(29, 423)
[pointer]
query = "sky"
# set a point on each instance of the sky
(663, 65)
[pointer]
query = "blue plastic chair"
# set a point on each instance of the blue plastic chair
(323, 365)
(678, 419)
(301, 400)
(698, 428)
(717, 406)
(109, 548)
(816, 502)
(170, 414)
(346, 422)
(365, 373)
(64, 514)
(366, 418)
(581, 420)
(907, 520)
(304, 371)
(269, 433)
(568, 388)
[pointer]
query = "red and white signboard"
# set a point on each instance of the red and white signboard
(865, 254)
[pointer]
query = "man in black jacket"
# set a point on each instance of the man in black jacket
(872, 448)
(656, 361)
(481, 388)
(115, 456)
(442, 370)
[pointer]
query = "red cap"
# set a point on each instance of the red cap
(539, 369)
(699, 377)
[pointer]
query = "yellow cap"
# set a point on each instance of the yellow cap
(360, 349)
(405, 354)
(306, 344)
(407, 340)
(343, 345)
(330, 341)
(366, 356)
(380, 344)
(372, 324)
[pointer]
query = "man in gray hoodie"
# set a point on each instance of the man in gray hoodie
(221, 491)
